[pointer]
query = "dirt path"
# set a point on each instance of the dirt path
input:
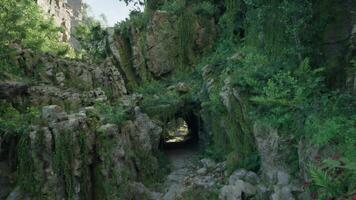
(183, 162)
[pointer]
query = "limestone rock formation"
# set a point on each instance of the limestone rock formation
(68, 82)
(72, 155)
(161, 42)
(66, 14)
(154, 52)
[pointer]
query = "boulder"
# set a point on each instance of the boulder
(234, 191)
(147, 132)
(207, 181)
(138, 191)
(202, 171)
(237, 175)
(273, 160)
(282, 178)
(182, 87)
(208, 163)
(282, 193)
(230, 192)
(251, 177)
(53, 113)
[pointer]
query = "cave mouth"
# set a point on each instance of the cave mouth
(181, 132)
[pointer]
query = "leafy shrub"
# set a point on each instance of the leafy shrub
(13, 122)
(139, 19)
(205, 8)
(92, 38)
(334, 178)
(115, 114)
(173, 6)
(23, 23)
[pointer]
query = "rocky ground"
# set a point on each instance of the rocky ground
(189, 172)
(183, 162)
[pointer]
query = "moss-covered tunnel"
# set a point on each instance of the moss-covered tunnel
(183, 131)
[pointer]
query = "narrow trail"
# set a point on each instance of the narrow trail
(183, 162)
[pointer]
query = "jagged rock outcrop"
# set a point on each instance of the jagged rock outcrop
(275, 180)
(68, 83)
(155, 49)
(161, 43)
(65, 13)
(72, 156)
(273, 161)
(69, 152)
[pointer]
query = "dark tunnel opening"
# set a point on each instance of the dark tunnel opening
(183, 132)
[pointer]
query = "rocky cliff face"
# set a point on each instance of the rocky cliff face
(71, 151)
(152, 51)
(66, 14)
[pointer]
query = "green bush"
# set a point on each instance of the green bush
(115, 114)
(13, 122)
(92, 38)
(173, 6)
(23, 23)
(205, 8)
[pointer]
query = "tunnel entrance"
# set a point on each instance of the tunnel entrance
(181, 132)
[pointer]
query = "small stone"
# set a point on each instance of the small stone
(60, 78)
(283, 178)
(230, 192)
(262, 188)
(52, 113)
(249, 189)
(234, 192)
(205, 181)
(237, 175)
(183, 87)
(208, 163)
(220, 167)
(282, 193)
(202, 171)
(251, 177)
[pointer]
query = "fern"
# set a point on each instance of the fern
(329, 186)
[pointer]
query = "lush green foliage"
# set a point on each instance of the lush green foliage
(333, 178)
(276, 71)
(268, 51)
(23, 23)
(13, 121)
(92, 38)
(115, 114)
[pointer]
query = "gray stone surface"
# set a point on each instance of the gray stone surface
(282, 193)
(66, 14)
(237, 175)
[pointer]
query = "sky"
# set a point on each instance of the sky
(114, 10)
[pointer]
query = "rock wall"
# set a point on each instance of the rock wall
(75, 156)
(70, 151)
(68, 82)
(153, 51)
(66, 14)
